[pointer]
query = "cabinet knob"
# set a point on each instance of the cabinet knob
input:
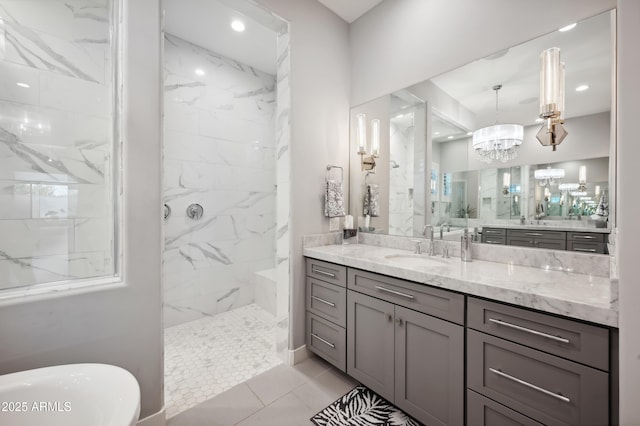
(388, 317)
(399, 321)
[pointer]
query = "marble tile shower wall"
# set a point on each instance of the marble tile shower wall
(401, 179)
(56, 217)
(219, 152)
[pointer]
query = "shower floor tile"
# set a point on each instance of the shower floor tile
(208, 356)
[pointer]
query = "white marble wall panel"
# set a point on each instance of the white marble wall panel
(56, 217)
(11, 75)
(220, 152)
(15, 200)
(35, 270)
(283, 159)
(28, 238)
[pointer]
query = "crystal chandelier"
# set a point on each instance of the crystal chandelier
(548, 177)
(497, 142)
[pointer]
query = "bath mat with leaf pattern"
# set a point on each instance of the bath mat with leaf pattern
(362, 407)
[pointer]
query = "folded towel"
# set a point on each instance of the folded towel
(372, 201)
(333, 199)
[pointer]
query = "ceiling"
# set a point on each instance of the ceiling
(350, 10)
(586, 51)
(207, 23)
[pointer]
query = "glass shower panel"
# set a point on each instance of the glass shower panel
(56, 141)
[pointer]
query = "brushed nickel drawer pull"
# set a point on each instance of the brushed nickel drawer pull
(491, 231)
(326, 342)
(326, 302)
(397, 293)
(533, 234)
(591, 250)
(584, 237)
(529, 385)
(317, 271)
(528, 330)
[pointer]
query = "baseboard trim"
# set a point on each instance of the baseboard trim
(298, 355)
(157, 419)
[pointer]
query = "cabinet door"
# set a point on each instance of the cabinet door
(370, 349)
(429, 365)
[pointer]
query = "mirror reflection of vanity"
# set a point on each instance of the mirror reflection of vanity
(428, 173)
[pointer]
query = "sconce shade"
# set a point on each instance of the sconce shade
(375, 137)
(361, 133)
(551, 98)
(551, 83)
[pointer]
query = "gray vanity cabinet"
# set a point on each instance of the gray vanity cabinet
(552, 370)
(588, 242)
(413, 359)
(326, 311)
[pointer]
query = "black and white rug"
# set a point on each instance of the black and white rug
(362, 407)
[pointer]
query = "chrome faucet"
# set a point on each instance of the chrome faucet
(442, 225)
(424, 234)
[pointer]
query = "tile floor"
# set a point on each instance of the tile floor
(204, 358)
(281, 396)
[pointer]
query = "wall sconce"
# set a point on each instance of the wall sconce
(582, 178)
(367, 160)
(551, 98)
(547, 194)
(506, 183)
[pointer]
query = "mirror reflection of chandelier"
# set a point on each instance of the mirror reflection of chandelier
(498, 142)
(548, 177)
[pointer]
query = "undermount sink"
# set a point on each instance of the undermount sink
(70, 395)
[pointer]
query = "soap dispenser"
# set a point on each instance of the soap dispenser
(465, 246)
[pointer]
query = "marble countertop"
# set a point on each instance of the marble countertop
(580, 296)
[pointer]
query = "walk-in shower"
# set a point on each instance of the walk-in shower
(225, 109)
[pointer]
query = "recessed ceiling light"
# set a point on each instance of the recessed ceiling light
(449, 137)
(582, 88)
(469, 133)
(237, 25)
(539, 120)
(25, 85)
(199, 71)
(436, 133)
(568, 27)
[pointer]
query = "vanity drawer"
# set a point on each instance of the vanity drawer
(552, 244)
(326, 271)
(422, 298)
(586, 247)
(482, 411)
(546, 388)
(569, 339)
(491, 239)
(327, 340)
(590, 237)
(327, 301)
(534, 234)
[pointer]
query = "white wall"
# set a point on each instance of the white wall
(628, 207)
(120, 325)
(320, 126)
(403, 42)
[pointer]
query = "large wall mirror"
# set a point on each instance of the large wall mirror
(427, 172)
